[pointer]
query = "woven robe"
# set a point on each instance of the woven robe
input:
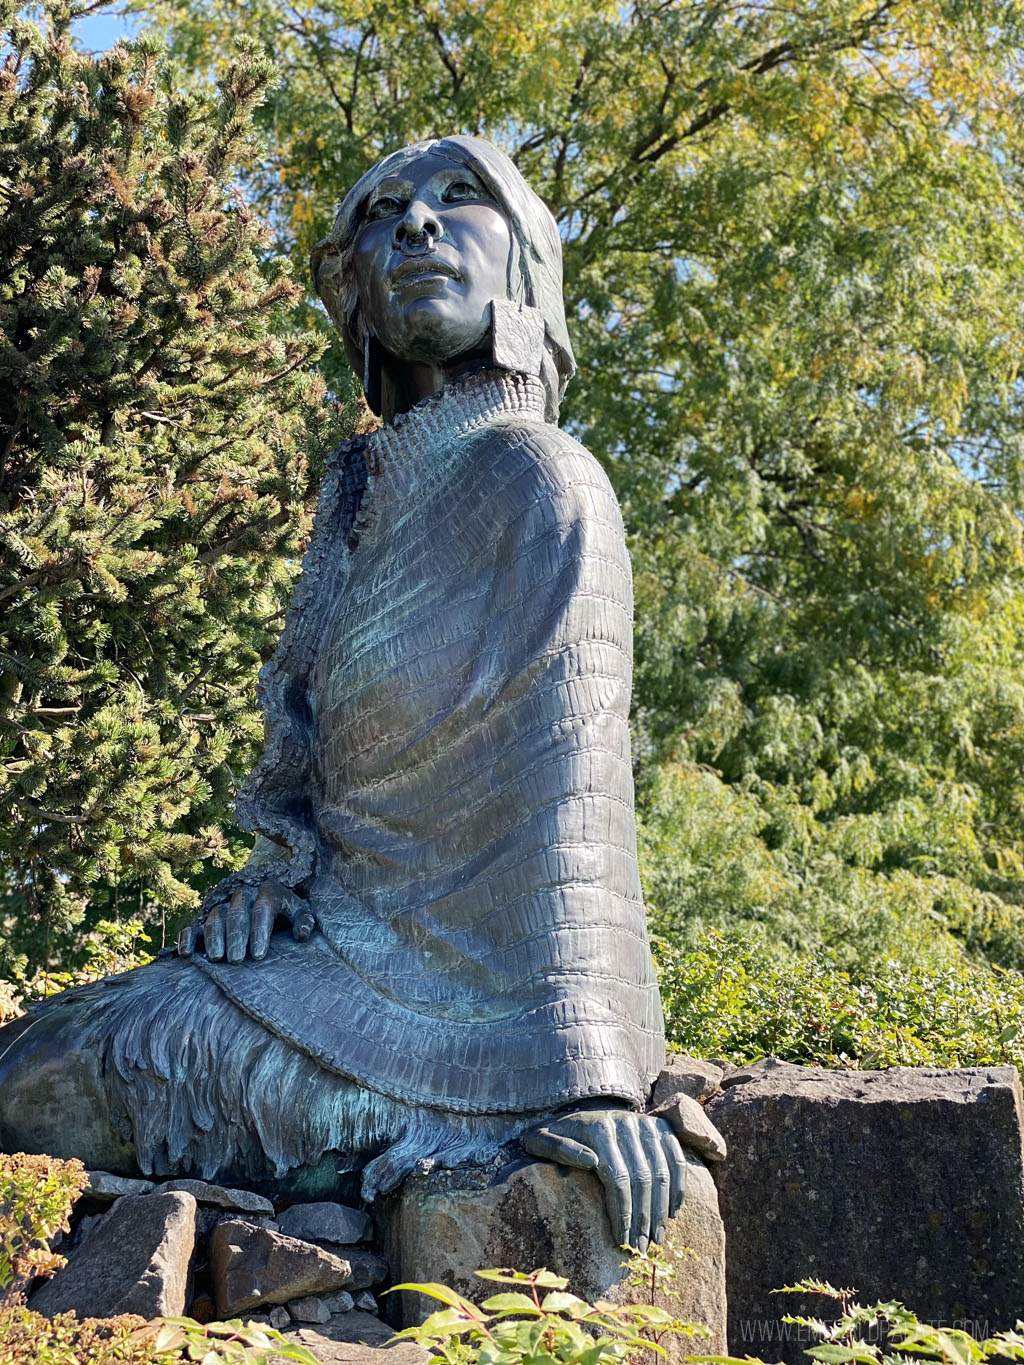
(447, 773)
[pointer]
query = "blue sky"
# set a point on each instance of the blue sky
(97, 32)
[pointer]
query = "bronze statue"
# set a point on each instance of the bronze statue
(444, 805)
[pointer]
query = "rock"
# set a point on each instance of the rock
(342, 1302)
(136, 1260)
(251, 1265)
(235, 1201)
(325, 1222)
(445, 1225)
(693, 1128)
(280, 1318)
(690, 1076)
(906, 1184)
(310, 1309)
(366, 1303)
(105, 1188)
(368, 1268)
(356, 1339)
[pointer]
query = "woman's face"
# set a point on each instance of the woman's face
(431, 254)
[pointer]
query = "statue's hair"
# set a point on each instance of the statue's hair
(534, 266)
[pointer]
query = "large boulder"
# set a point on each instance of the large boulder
(251, 1265)
(136, 1259)
(446, 1225)
(905, 1184)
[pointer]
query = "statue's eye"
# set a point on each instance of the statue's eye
(383, 207)
(458, 190)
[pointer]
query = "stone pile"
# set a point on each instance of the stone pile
(189, 1247)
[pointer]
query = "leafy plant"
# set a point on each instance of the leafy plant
(36, 1197)
(890, 1334)
(26, 1338)
(537, 1321)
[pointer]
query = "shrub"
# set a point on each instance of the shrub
(736, 997)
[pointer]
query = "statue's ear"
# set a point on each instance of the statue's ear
(517, 337)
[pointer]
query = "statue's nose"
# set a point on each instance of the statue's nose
(417, 226)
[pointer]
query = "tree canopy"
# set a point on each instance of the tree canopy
(794, 246)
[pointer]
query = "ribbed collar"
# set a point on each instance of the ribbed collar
(415, 450)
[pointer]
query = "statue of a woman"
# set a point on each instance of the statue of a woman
(444, 805)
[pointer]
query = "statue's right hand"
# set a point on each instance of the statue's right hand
(241, 926)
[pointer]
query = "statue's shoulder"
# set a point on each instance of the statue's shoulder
(546, 454)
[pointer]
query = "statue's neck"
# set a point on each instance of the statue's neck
(408, 382)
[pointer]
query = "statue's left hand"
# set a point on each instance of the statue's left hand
(636, 1157)
(241, 926)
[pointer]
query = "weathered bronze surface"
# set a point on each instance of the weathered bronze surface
(444, 806)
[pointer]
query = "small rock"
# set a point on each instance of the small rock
(342, 1302)
(106, 1188)
(368, 1269)
(686, 1076)
(279, 1318)
(366, 1303)
(136, 1261)
(236, 1201)
(693, 1128)
(325, 1222)
(252, 1265)
(309, 1309)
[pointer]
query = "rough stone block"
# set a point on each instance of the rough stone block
(105, 1188)
(341, 1302)
(693, 1128)
(356, 1339)
(251, 1265)
(447, 1225)
(219, 1197)
(905, 1184)
(688, 1076)
(325, 1222)
(135, 1260)
(368, 1268)
(310, 1309)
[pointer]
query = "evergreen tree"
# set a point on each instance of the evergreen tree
(155, 421)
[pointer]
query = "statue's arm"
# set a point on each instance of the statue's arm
(240, 913)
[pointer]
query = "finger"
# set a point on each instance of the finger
(298, 911)
(238, 923)
(661, 1181)
(613, 1174)
(566, 1151)
(187, 941)
(639, 1166)
(265, 909)
(303, 926)
(676, 1167)
(213, 933)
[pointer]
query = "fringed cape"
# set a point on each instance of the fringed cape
(447, 772)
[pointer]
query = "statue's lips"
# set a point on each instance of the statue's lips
(422, 268)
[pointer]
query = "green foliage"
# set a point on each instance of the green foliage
(26, 1338)
(889, 1334)
(537, 1321)
(735, 996)
(36, 1195)
(794, 240)
(154, 423)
